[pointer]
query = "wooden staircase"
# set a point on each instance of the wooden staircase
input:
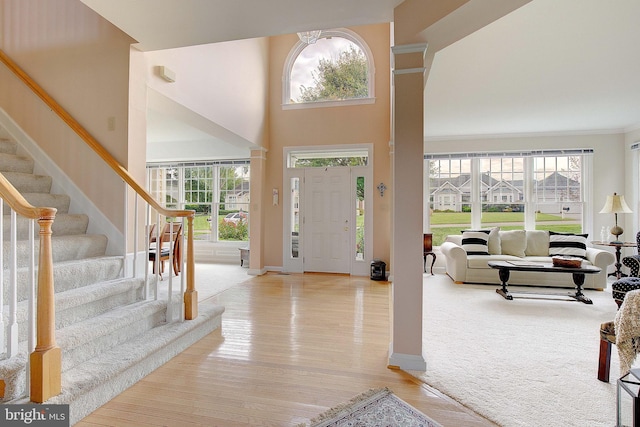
(110, 335)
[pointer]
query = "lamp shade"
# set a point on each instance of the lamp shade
(615, 204)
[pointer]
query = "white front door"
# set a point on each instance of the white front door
(327, 227)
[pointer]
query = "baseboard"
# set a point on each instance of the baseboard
(257, 271)
(406, 362)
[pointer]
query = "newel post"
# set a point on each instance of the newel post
(45, 361)
(190, 295)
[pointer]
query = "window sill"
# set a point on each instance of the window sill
(322, 104)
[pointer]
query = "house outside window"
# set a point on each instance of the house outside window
(541, 190)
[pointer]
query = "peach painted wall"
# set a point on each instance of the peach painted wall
(82, 61)
(331, 126)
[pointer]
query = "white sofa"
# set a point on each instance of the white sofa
(518, 245)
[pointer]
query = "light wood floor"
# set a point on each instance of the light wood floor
(290, 347)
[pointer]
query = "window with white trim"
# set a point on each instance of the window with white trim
(337, 69)
(543, 190)
(217, 190)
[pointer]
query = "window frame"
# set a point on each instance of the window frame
(529, 201)
(157, 186)
(344, 33)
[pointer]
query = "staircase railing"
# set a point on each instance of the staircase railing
(45, 360)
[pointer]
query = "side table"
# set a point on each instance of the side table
(244, 256)
(618, 245)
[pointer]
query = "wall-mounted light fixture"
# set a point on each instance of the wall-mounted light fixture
(381, 188)
(167, 74)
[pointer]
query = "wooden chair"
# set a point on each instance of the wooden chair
(170, 240)
(624, 333)
(427, 246)
(152, 233)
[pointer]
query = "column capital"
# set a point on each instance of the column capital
(409, 58)
(259, 153)
(410, 48)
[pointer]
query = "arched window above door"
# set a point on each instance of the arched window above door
(338, 69)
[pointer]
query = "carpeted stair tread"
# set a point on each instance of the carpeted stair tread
(59, 201)
(82, 341)
(28, 182)
(76, 334)
(64, 224)
(64, 248)
(71, 274)
(8, 146)
(15, 163)
(77, 305)
(96, 381)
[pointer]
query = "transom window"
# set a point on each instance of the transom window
(336, 69)
(535, 190)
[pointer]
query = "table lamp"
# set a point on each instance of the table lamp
(615, 204)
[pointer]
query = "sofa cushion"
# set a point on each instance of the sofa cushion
(476, 242)
(537, 243)
(513, 242)
(494, 239)
(495, 247)
(568, 244)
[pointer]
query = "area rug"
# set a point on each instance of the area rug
(525, 362)
(377, 407)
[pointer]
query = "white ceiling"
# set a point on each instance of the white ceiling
(552, 66)
(569, 66)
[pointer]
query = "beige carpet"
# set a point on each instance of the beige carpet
(211, 279)
(526, 362)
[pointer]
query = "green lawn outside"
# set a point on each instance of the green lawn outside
(489, 217)
(445, 223)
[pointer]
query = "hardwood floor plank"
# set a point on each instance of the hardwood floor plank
(290, 347)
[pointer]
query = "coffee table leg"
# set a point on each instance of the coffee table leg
(504, 278)
(578, 279)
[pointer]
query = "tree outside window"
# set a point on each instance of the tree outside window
(335, 68)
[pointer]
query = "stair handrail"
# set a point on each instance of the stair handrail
(191, 310)
(19, 204)
(45, 361)
(45, 366)
(90, 140)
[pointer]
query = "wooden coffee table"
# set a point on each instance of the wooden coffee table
(506, 267)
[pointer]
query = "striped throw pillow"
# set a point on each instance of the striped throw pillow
(567, 244)
(476, 242)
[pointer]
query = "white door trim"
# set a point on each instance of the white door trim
(296, 264)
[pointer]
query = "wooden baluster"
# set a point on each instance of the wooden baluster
(46, 361)
(191, 295)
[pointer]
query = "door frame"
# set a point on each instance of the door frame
(296, 265)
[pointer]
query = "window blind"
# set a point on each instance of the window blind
(527, 153)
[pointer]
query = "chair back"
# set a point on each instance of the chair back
(171, 229)
(427, 242)
(152, 232)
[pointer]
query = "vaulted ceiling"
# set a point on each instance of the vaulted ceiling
(569, 66)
